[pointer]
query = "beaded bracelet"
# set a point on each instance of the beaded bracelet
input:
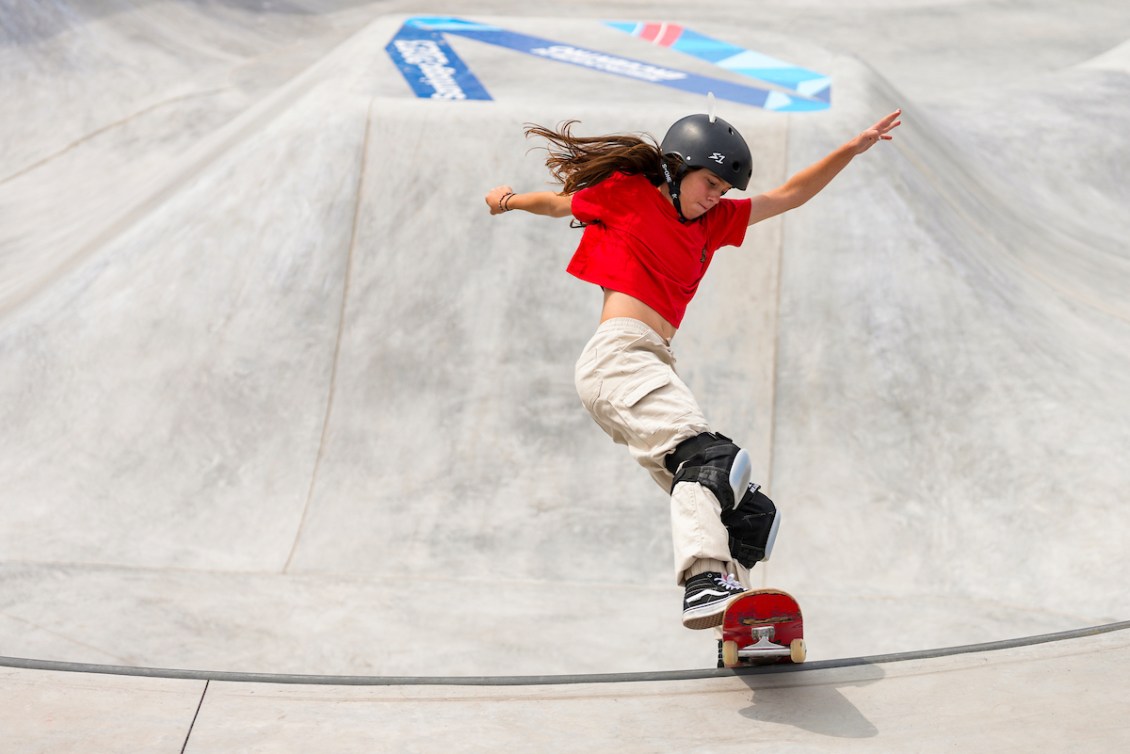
(504, 202)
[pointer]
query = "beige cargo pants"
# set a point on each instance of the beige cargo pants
(626, 379)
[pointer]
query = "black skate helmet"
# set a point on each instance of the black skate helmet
(705, 141)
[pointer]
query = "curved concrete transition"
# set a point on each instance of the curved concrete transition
(279, 397)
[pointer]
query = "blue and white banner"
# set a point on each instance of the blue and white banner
(754, 65)
(433, 70)
(431, 67)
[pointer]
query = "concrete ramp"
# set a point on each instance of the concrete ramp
(267, 365)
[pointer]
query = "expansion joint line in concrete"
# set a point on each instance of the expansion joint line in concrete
(337, 343)
(91, 135)
(195, 716)
(775, 349)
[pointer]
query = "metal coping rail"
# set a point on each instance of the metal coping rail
(550, 680)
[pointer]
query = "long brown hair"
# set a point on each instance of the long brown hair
(582, 161)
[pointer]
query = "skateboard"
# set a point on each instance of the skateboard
(760, 627)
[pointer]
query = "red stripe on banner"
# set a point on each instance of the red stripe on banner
(651, 31)
(670, 35)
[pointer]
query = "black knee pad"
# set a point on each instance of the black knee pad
(752, 526)
(707, 459)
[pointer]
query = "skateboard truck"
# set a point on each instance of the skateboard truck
(763, 645)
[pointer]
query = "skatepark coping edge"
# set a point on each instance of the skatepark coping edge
(553, 680)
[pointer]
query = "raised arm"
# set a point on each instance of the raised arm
(809, 182)
(549, 203)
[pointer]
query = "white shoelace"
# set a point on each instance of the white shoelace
(730, 582)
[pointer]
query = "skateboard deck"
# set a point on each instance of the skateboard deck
(762, 626)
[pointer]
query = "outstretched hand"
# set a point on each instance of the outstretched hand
(494, 198)
(878, 132)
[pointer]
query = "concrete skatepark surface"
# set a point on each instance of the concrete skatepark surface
(267, 365)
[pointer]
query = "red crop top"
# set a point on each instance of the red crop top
(635, 244)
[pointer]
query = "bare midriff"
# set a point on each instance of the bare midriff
(618, 304)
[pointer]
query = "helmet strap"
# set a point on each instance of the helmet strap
(673, 188)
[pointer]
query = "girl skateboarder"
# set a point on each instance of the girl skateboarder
(653, 218)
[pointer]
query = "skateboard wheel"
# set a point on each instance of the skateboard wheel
(730, 654)
(797, 651)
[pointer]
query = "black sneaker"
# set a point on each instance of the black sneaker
(706, 598)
